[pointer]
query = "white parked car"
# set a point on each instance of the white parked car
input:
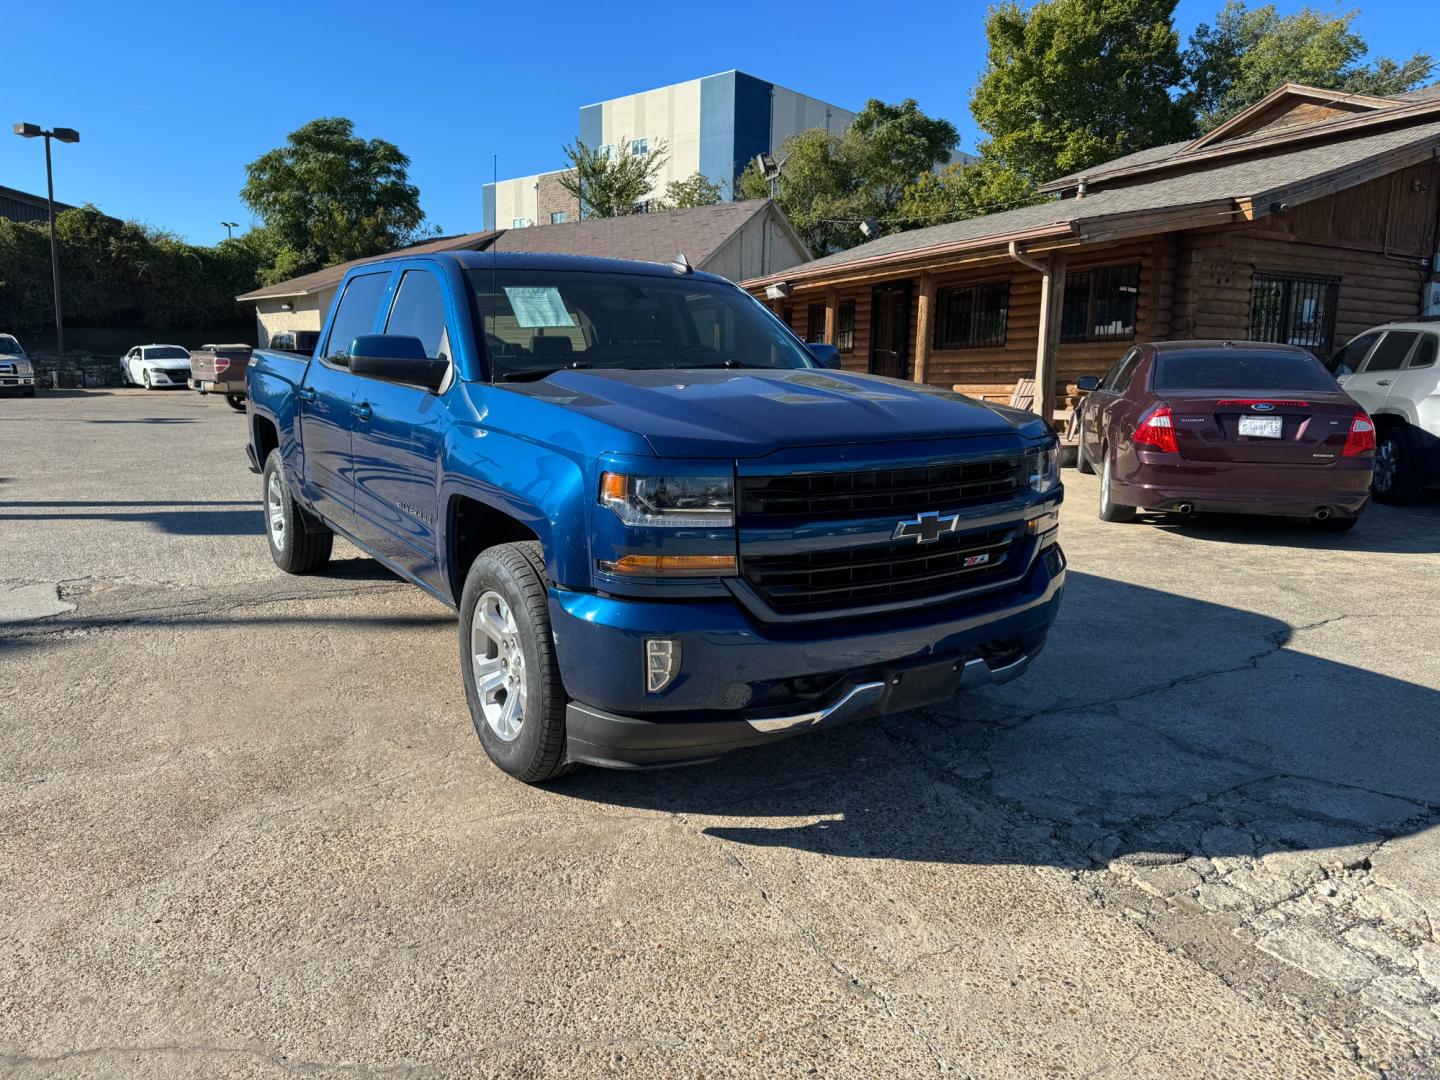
(17, 374)
(1393, 373)
(154, 366)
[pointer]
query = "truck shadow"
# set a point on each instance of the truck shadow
(192, 522)
(1154, 726)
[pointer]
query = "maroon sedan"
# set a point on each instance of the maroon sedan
(1239, 427)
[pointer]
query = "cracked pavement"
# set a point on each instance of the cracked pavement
(247, 831)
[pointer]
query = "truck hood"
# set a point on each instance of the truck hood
(752, 412)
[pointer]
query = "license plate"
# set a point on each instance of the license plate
(1263, 427)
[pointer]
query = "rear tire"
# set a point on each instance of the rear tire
(1398, 478)
(1082, 463)
(1110, 510)
(236, 401)
(508, 663)
(300, 543)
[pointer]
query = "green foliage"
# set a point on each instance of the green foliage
(697, 189)
(959, 191)
(612, 183)
(121, 273)
(1249, 52)
(830, 183)
(328, 196)
(1071, 83)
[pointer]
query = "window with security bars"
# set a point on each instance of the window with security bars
(845, 326)
(1101, 304)
(815, 323)
(1294, 309)
(972, 317)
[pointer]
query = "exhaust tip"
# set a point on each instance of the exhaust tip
(1324, 513)
(1185, 509)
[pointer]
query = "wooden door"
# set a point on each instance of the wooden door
(890, 331)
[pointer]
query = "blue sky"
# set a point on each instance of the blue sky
(172, 99)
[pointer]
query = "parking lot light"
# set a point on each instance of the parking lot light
(65, 135)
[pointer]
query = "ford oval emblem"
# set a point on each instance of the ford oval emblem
(1263, 406)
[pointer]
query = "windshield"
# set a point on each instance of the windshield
(1234, 369)
(166, 352)
(9, 345)
(537, 321)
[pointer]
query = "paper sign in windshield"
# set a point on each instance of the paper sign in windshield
(538, 306)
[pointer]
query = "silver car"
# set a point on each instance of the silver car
(17, 373)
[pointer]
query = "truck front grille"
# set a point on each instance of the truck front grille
(902, 491)
(876, 574)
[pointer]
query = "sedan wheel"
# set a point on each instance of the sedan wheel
(1397, 478)
(499, 666)
(146, 377)
(1110, 510)
(1082, 462)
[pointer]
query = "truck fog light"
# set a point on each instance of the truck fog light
(662, 663)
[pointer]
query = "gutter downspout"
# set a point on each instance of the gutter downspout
(1027, 260)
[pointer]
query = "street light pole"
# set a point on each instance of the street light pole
(65, 135)
(228, 226)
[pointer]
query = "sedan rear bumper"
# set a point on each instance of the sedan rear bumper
(1160, 481)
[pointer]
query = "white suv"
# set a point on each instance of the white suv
(1393, 373)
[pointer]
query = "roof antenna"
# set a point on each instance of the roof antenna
(681, 265)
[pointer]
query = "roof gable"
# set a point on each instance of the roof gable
(1288, 105)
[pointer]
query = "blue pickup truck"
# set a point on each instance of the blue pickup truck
(670, 528)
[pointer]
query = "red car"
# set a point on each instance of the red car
(1232, 426)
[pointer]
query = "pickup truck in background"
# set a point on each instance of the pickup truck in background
(669, 527)
(220, 369)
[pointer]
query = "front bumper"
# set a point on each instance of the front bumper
(1160, 482)
(742, 683)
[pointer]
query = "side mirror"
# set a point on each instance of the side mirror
(1087, 383)
(827, 356)
(397, 358)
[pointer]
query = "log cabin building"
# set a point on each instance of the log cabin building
(1307, 218)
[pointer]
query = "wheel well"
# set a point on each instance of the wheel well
(471, 527)
(267, 438)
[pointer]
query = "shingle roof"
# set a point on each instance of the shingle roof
(699, 232)
(1221, 180)
(331, 275)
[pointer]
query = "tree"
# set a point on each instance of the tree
(1249, 52)
(697, 189)
(328, 196)
(612, 183)
(829, 183)
(963, 191)
(1071, 83)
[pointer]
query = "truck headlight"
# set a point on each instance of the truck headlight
(1045, 468)
(682, 502)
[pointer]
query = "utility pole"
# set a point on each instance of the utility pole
(65, 135)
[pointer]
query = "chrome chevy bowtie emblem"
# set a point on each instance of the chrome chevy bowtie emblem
(925, 528)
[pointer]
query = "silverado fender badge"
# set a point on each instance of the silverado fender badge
(925, 528)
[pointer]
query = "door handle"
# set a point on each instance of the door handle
(363, 410)
(1382, 382)
(307, 393)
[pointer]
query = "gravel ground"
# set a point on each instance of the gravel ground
(246, 829)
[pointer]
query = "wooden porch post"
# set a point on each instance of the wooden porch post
(1047, 346)
(924, 323)
(832, 303)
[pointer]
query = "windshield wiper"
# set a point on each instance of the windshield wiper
(536, 374)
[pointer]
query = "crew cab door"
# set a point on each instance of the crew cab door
(399, 435)
(327, 395)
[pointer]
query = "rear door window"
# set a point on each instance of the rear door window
(419, 311)
(1352, 355)
(355, 316)
(1391, 352)
(1237, 369)
(1113, 377)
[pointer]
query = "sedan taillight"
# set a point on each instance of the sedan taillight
(1361, 437)
(1157, 430)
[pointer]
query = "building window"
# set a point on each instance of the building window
(640, 146)
(518, 223)
(815, 323)
(972, 317)
(845, 326)
(558, 217)
(608, 150)
(1294, 309)
(1100, 304)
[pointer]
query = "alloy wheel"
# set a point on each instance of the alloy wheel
(1387, 463)
(275, 511)
(498, 663)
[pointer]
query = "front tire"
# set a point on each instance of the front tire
(146, 376)
(1398, 479)
(1109, 509)
(1082, 463)
(508, 663)
(299, 542)
(236, 401)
